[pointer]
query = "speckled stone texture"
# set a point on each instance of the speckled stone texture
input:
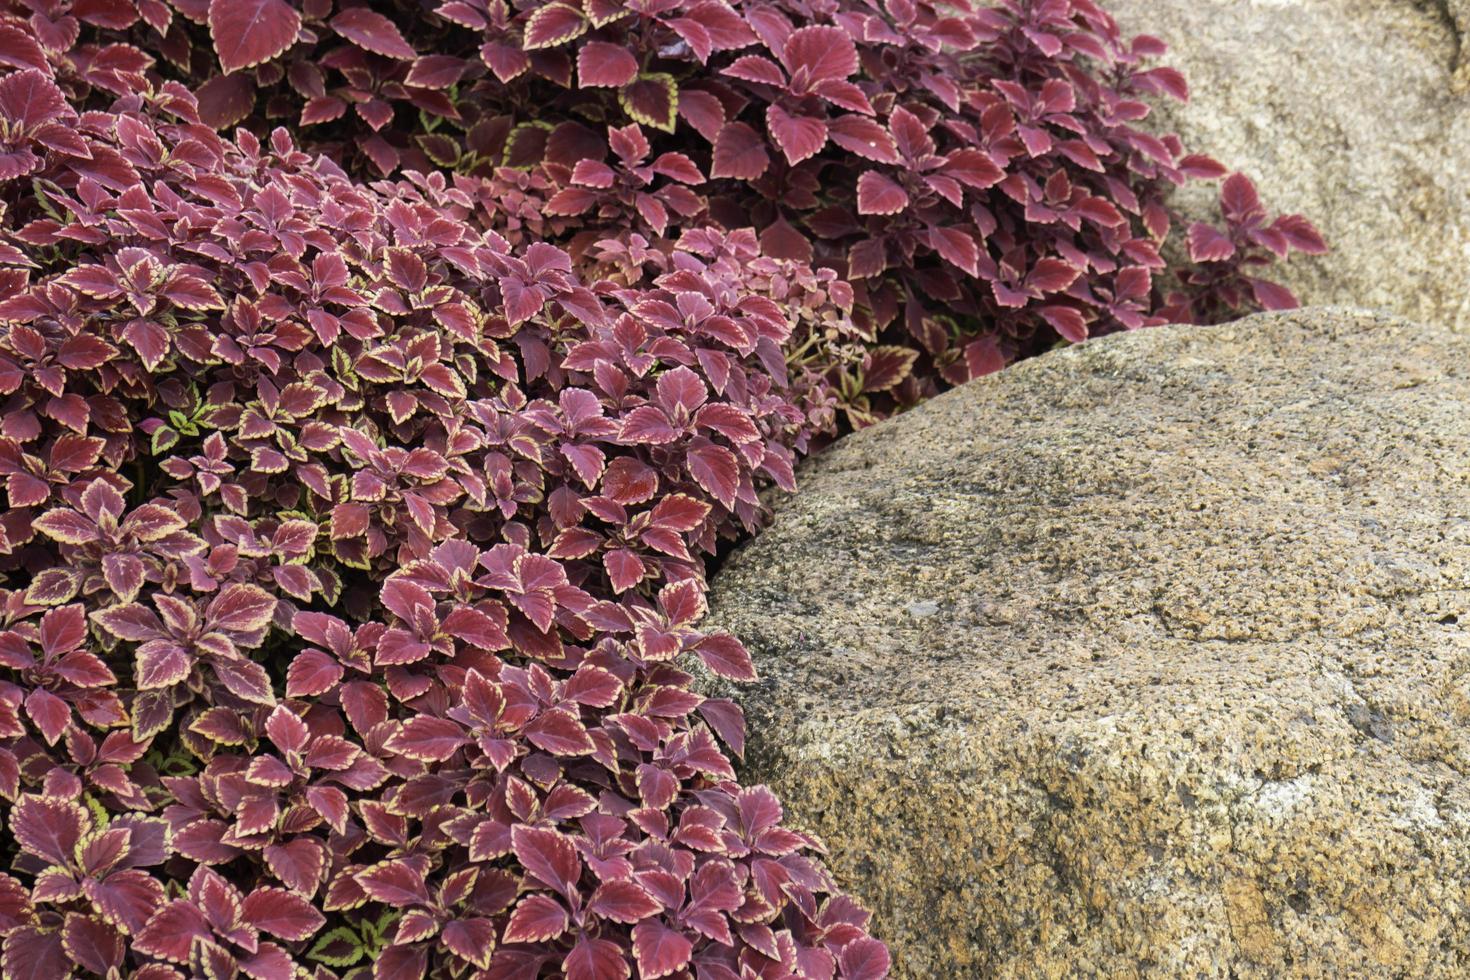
(1149, 657)
(1354, 112)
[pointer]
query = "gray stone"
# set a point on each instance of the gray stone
(921, 610)
(1196, 697)
(1353, 112)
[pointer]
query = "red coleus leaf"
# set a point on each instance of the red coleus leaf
(604, 65)
(596, 959)
(560, 733)
(149, 339)
(477, 628)
(681, 391)
(781, 240)
(133, 621)
(48, 827)
(225, 100)
(19, 49)
(863, 136)
(879, 194)
(472, 940)
(886, 367)
(408, 962)
(190, 293)
(428, 739)
(740, 152)
(1067, 321)
(714, 468)
(623, 900)
(973, 168)
(297, 864)
(553, 24)
(624, 569)
(63, 629)
(819, 53)
(286, 730)
(1208, 244)
(67, 526)
(679, 512)
(549, 856)
(34, 953)
(863, 958)
(956, 247)
(171, 931)
(29, 99)
(161, 663)
(1238, 197)
(659, 950)
(726, 656)
(1301, 234)
(394, 883)
(799, 136)
(1272, 296)
(92, 943)
(50, 714)
(436, 71)
(647, 425)
(241, 609)
(251, 32)
(536, 919)
(372, 32)
(15, 904)
(593, 686)
(281, 913)
(762, 71)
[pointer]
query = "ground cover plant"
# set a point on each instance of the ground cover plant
(362, 471)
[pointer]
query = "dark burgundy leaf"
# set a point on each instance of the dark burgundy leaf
(251, 32)
(372, 32)
(226, 100)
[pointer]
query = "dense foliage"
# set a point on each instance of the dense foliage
(253, 392)
(361, 477)
(979, 175)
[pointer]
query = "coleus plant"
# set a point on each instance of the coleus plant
(980, 175)
(316, 65)
(352, 586)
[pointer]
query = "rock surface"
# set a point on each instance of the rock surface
(1353, 112)
(1146, 657)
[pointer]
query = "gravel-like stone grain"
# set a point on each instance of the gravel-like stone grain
(1353, 112)
(1149, 657)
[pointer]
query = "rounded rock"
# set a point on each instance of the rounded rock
(1193, 699)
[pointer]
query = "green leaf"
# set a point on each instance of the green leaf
(163, 440)
(101, 819)
(381, 930)
(337, 948)
(342, 368)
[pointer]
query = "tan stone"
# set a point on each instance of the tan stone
(1354, 112)
(1145, 658)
